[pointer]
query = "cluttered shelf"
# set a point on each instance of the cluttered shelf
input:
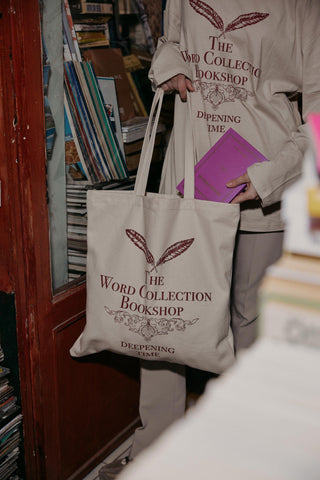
(11, 436)
(107, 52)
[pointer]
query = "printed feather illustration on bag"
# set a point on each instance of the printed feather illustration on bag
(214, 18)
(170, 253)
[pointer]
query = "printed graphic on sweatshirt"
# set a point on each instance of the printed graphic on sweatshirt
(218, 74)
(150, 310)
(218, 93)
(242, 21)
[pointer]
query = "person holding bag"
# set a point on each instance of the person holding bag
(233, 64)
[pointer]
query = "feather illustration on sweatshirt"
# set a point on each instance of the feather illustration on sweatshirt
(214, 18)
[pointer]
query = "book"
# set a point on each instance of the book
(108, 62)
(91, 27)
(76, 168)
(314, 123)
(80, 114)
(135, 129)
(50, 128)
(93, 38)
(76, 219)
(109, 94)
(82, 7)
(116, 154)
(227, 159)
(69, 31)
(289, 301)
(103, 156)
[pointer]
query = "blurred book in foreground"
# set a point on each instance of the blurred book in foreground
(290, 302)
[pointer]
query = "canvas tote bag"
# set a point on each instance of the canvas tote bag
(159, 271)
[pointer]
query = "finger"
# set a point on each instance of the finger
(249, 194)
(189, 85)
(182, 87)
(165, 87)
(238, 181)
(168, 86)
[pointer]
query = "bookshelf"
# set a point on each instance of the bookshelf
(74, 413)
(106, 99)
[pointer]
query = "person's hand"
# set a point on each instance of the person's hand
(179, 83)
(249, 193)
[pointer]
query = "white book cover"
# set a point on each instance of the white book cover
(109, 94)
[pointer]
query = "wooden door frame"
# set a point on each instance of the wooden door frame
(17, 143)
(26, 272)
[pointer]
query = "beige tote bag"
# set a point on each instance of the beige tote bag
(159, 271)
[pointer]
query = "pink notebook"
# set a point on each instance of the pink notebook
(227, 159)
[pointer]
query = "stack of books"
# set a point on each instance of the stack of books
(8, 401)
(289, 294)
(88, 7)
(97, 146)
(76, 230)
(77, 222)
(90, 22)
(290, 301)
(10, 428)
(92, 35)
(135, 129)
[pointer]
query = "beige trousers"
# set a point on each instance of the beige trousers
(163, 385)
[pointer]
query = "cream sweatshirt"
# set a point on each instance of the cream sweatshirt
(243, 56)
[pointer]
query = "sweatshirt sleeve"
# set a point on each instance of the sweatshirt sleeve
(270, 179)
(167, 60)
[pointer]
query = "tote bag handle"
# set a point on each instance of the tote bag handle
(148, 147)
